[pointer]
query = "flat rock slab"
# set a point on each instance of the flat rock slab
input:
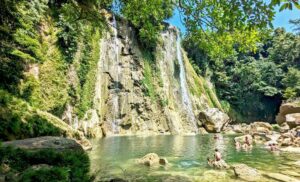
(291, 149)
(246, 173)
(46, 142)
(290, 173)
(281, 177)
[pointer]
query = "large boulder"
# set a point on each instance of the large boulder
(213, 119)
(246, 173)
(46, 142)
(152, 159)
(287, 108)
(293, 120)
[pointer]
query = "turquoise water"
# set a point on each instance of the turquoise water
(115, 157)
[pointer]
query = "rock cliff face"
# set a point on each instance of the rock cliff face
(137, 92)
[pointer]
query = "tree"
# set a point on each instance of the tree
(292, 83)
(286, 4)
(147, 17)
(219, 26)
(296, 24)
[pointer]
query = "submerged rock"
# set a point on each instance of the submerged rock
(291, 149)
(297, 163)
(47, 142)
(246, 173)
(281, 177)
(214, 175)
(290, 173)
(213, 119)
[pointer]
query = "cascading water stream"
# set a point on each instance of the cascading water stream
(115, 122)
(183, 85)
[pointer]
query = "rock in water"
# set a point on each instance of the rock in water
(281, 177)
(242, 139)
(46, 142)
(261, 127)
(246, 173)
(149, 159)
(213, 119)
(291, 149)
(152, 159)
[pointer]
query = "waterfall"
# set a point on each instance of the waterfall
(184, 90)
(115, 122)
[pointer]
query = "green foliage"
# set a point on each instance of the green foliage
(147, 17)
(219, 27)
(53, 87)
(19, 120)
(296, 24)
(253, 83)
(287, 4)
(44, 174)
(73, 17)
(276, 127)
(291, 81)
(87, 70)
(63, 166)
(19, 39)
(148, 81)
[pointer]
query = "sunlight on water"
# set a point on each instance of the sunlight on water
(115, 157)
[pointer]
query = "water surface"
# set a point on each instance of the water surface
(115, 157)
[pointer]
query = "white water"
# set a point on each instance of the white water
(184, 91)
(116, 120)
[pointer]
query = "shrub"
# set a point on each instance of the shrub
(63, 166)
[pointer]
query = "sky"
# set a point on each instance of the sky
(281, 19)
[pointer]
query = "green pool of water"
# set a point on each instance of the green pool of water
(115, 157)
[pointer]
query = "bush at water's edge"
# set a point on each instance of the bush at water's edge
(43, 165)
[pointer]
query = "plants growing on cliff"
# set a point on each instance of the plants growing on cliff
(87, 70)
